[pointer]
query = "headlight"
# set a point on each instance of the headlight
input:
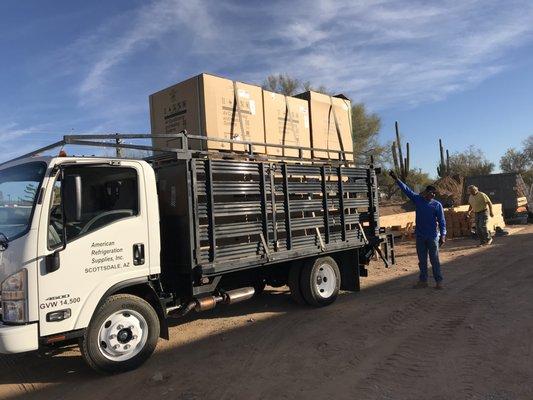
(14, 290)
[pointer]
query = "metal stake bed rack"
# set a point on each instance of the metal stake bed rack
(247, 209)
(183, 149)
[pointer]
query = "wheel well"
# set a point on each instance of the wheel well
(147, 293)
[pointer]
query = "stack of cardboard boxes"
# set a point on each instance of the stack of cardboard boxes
(209, 105)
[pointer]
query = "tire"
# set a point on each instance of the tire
(294, 284)
(276, 283)
(259, 288)
(320, 281)
(121, 336)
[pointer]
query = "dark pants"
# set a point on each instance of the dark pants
(424, 248)
(482, 219)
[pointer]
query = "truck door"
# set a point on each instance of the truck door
(105, 245)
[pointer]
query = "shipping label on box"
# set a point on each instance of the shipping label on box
(175, 113)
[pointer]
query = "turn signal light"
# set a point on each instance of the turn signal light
(56, 316)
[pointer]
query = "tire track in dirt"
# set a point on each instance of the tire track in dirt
(416, 353)
(405, 317)
(412, 359)
(401, 317)
(415, 357)
(407, 356)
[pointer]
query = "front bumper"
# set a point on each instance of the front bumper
(18, 338)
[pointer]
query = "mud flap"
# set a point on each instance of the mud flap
(350, 270)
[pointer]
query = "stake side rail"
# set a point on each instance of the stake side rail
(267, 215)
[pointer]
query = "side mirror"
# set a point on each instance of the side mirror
(71, 197)
(52, 262)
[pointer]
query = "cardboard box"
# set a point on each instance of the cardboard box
(331, 124)
(286, 123)
(208, 105)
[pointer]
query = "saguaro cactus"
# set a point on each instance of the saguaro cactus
(401, 164)
(444, 167)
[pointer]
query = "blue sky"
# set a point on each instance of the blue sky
(459, 70)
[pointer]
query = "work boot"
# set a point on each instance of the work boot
(420, 285)
(438, 286)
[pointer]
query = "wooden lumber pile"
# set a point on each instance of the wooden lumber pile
(399, 220)
(401, 224)
(456, 217)
(457, 223)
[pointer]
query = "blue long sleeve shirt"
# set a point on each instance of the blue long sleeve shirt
(428, 214)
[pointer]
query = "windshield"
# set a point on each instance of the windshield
(18, 193)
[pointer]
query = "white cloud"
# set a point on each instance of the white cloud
(17, 140)
(385, 53)
(146, 25)
(12, 130)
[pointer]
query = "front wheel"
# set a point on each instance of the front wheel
(122, 334)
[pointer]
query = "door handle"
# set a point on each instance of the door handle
(138, 254)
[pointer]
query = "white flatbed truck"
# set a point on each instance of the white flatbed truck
(104, 250)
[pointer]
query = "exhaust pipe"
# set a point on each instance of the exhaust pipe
(238, 295)
(181, 312)
(209, 302)
(206, 303)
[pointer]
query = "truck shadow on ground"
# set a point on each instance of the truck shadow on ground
(233, 350)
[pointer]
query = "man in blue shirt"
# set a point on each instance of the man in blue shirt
(429, 214)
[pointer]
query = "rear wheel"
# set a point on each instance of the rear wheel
(320, 281)
(122, 335)
(259, 287)
(294, 284)
(276, 282)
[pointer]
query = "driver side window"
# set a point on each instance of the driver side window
(109, 194)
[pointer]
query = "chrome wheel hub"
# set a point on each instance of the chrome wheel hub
(326, 281)
(123, 335)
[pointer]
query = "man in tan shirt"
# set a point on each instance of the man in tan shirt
(481, 205)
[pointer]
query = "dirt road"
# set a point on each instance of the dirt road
(473, 340)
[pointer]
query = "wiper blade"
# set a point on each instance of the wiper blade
(4, 242)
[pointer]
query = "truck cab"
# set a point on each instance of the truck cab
(64, 248)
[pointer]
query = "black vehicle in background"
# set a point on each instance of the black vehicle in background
(510, 190)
